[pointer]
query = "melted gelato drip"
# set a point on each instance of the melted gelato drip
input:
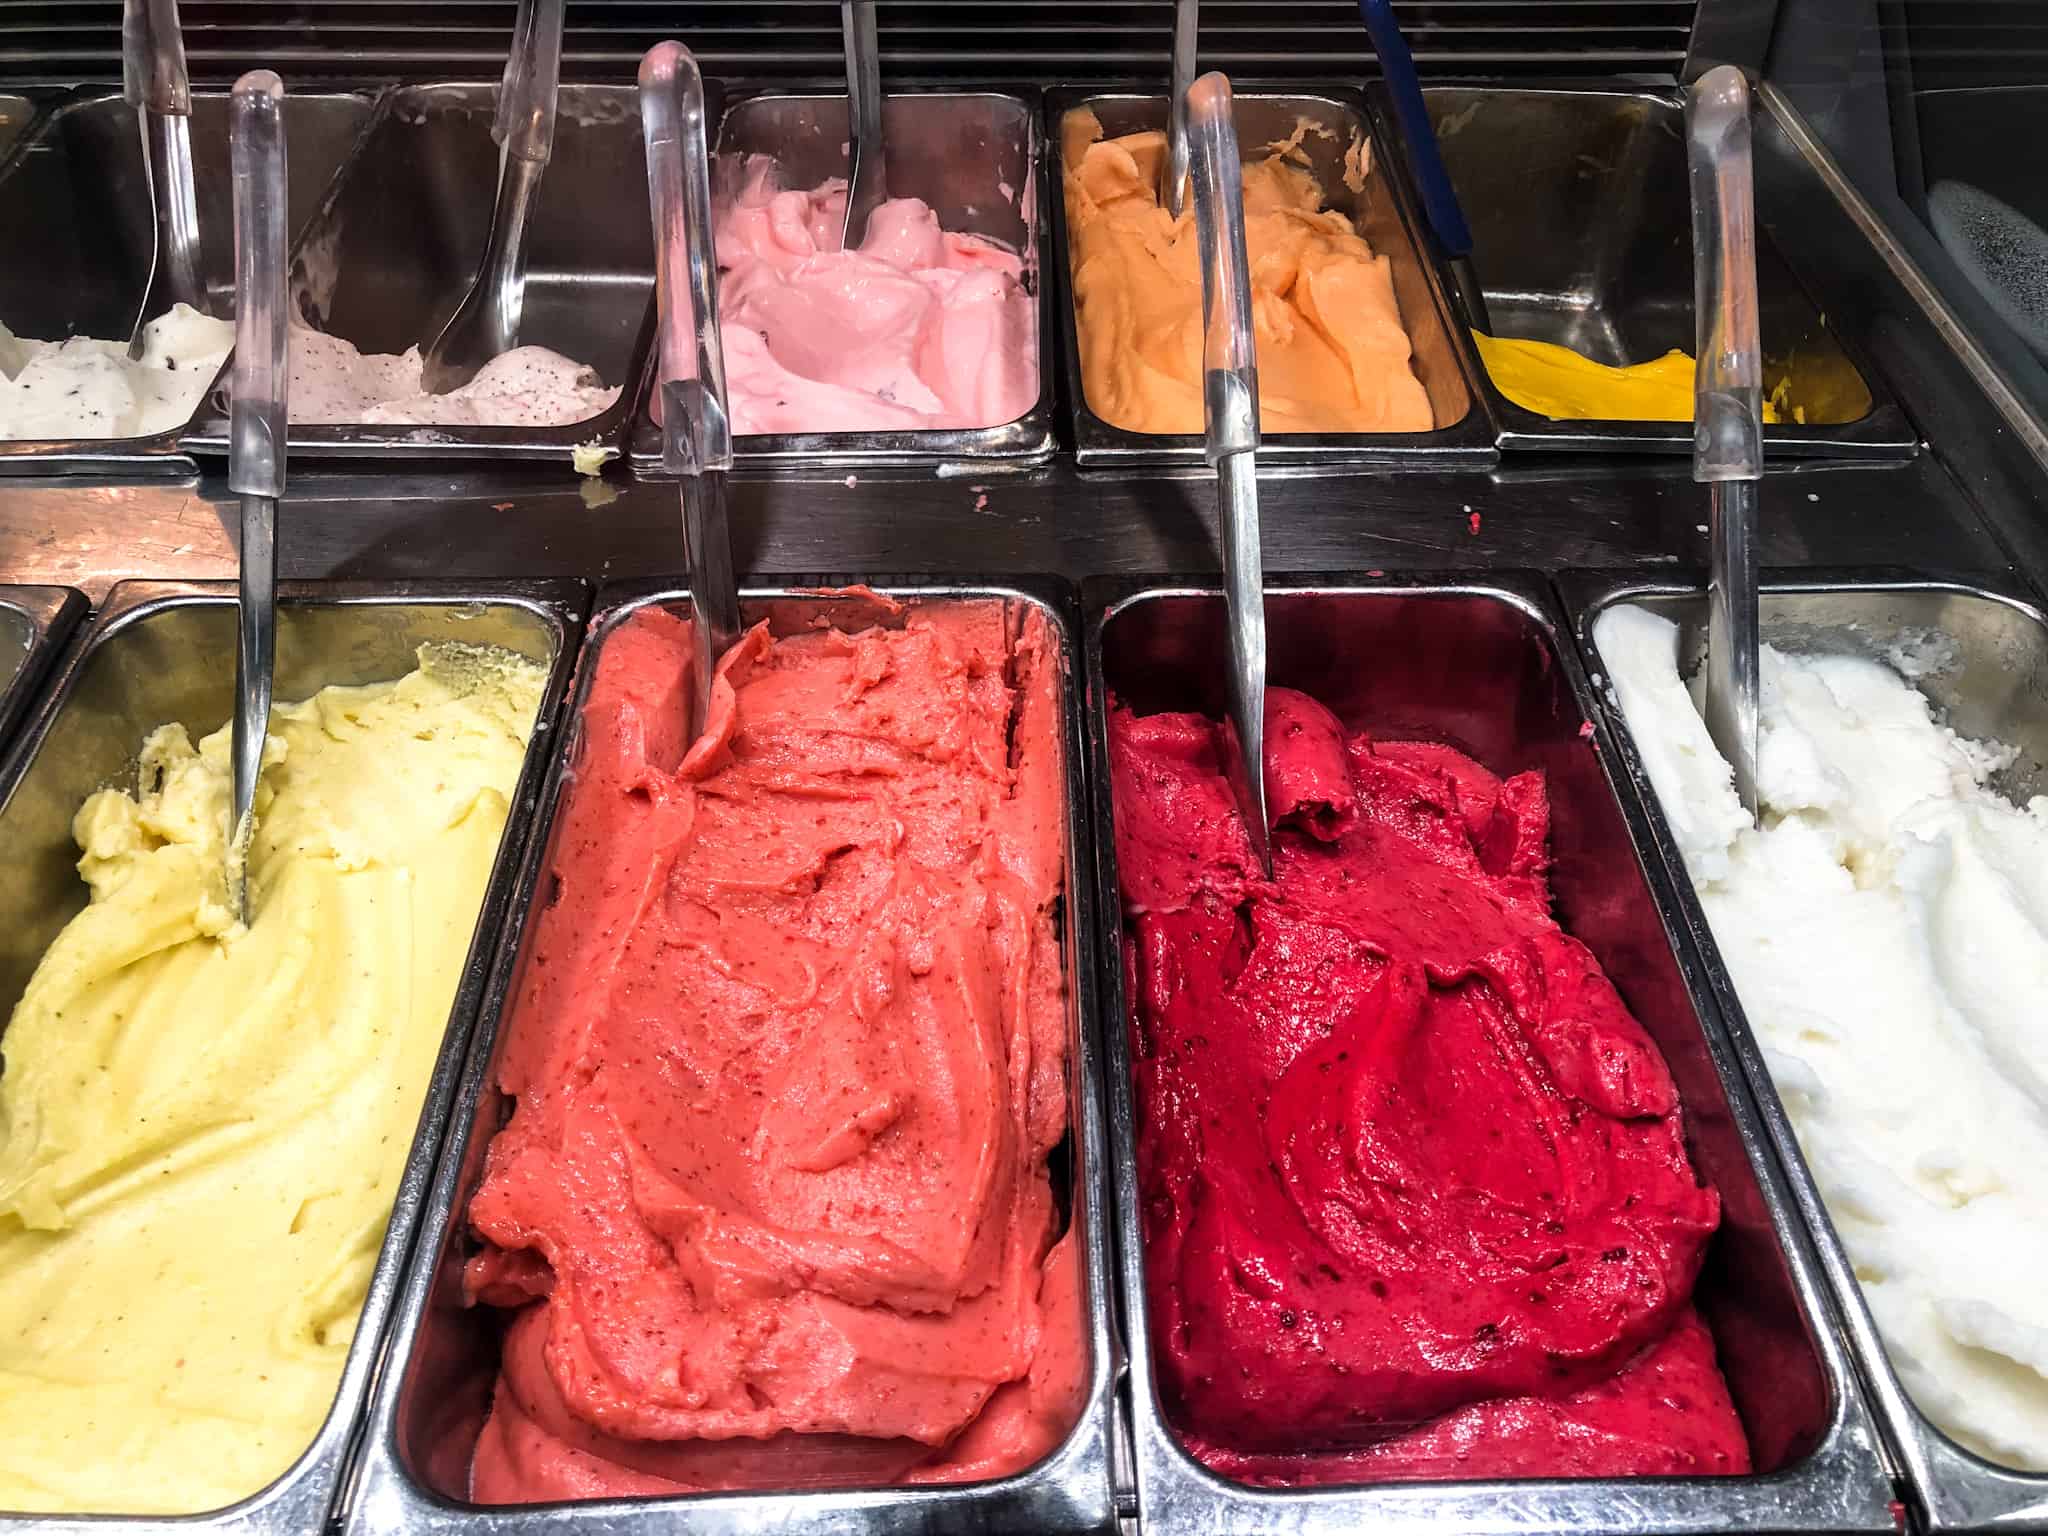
(1887, 931)
(204, 1124)
(1416, 1197)
(333, 383)
(1332, 354)
(83, 388)
(918, 329)
(788, 1063)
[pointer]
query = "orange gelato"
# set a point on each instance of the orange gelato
(1332, 354)
(788, 1063)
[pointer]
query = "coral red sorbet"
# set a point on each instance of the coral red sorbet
(1416, 1201)
(788, 1059)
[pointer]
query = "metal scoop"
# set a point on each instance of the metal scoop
(256, 440)
(486, 323)
(1230, 419)
(155, 83)
(696, 434)
(1728, 444)
(867, 182)
(1173, 172)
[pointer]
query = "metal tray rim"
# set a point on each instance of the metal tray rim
(2001, 1498)
(308, 1490)
(385, 1496)
(1847, 1445)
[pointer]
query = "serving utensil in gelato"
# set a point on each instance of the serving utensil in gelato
(1728, 453)
(1173, 171)
(1230, 419)
(155, 82)
(1439, 197)
(486, 323)
(696, 433)
(867, 181)
(256, 451)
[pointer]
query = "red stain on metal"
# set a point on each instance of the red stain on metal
(1474, 521)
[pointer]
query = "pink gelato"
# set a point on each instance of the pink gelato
(917, 329)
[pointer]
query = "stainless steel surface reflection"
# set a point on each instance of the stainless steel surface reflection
(34, 624)
(974, 157)
(1992, 683)
(1328, 121)
(16, 111)
(388, 255)
(162, 651)
(1481, 665)
(429, 1406)
(77, 233)
(1577, 198)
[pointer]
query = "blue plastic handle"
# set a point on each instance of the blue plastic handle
(1439, 198)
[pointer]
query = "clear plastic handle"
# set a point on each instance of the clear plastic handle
(1728, 415)
(153, 73)
(525, 123)
(257, 415)
(1230, 363)
(686, 262)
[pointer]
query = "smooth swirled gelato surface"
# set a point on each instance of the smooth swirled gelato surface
(1416, 1201)
(788, 1062)
(85, 388)
(332, 382)
(1887, 931)
(1557, 382)
(918, 329)
(1333, 356)
(204, 1124)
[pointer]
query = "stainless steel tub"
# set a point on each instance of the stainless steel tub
(429, 1405)
(34, 624)
(1384, 214)
(76, 235)
(1994, 684)
(974, 157)
(391, 250)
(1582, 235)
(15, 113)
(1480, 664)
(162, 651)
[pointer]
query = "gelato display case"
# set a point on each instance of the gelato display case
(873, 1083)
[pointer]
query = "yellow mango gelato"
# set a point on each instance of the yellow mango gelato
(202, 1126)
(1564, 385)
(1332, 354)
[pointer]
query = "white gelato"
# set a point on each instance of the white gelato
(1887, 931)
(332, 382)
(83, 388)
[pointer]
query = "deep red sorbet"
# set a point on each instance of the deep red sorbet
(1416, 1196)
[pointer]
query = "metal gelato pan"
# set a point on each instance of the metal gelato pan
(76, 237)
(1480, 665)
(430, 1403)
(15, 113)
(1328, 122)
(973, 156)
(1582, 235)
(34, 624)
(390, 251)
(1990, 682)
(162, 651)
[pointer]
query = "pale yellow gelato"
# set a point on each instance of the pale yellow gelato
(202, 1125)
